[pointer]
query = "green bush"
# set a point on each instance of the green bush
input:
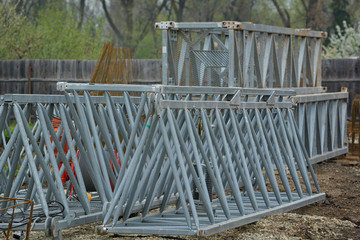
(17, 37)
(53, 35)
(343, 43)
(61, 39)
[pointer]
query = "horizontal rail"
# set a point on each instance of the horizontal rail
(225, 90)
(62, 86)
(45, 98)
(219, 104)
(166, 89)
(240, 26)
(273, 29)
(320, 97)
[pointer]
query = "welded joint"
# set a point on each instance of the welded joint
(164, 25)
(271, 100)
(231, 25)
(61, 86)
(236, 100)
(69, 218)
(52, 228)
(155, 106)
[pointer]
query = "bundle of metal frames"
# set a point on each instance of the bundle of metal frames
(215, 150)
(209, 153)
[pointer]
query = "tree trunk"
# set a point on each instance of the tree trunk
(283, 13)
(110, 21)
(82, 10)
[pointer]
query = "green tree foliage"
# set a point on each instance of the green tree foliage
(61, 39)
(18, 38)
(312, 14)
(339, 15)
(344, 43)
(54, 34)
(70, 29)
(130, 21)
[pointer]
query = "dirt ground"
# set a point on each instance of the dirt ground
(336, 217)
(340, 180)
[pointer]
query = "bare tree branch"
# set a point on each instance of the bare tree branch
(284, 14)
(178, 10)
(111, 23)
(306, 7)
(150, 21)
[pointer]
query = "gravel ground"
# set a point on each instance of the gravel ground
(337, 217)
(285, 226)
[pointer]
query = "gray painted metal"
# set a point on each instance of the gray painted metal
(54, 99)
(36, 154)
(239, 54)
(321, 120)
(167, 141)
(238, 143)
(178, 227)
(320, 116)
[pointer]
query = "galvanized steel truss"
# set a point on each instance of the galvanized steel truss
(36, 155)
(199, 145)
(178, 148)
(240, 54)
(321, 119)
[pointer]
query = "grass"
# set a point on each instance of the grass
(12, 126)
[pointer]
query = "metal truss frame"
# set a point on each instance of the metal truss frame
(174, 131)
(44, 153)
(313, 107)
(240, 54)
(221, 123)
(321, 119)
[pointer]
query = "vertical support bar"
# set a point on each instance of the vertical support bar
(165, 57)
(231, 67)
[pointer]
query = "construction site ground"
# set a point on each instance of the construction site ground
(336, 217)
